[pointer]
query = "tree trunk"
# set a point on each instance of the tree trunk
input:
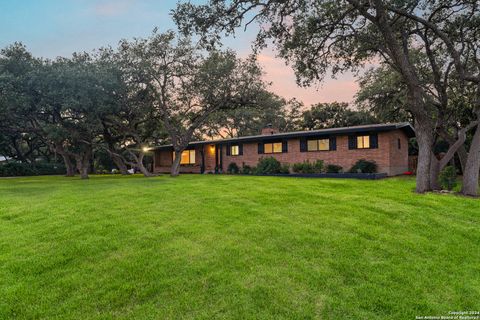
(83, 163)
(84, 172)
(144, 170)
(82, 166)
(68, 165)
(462, 157)
(120, 164)
(175, 170)
(142, 167)
(425, 142)
(435, 168)
(18, 153)
(472, 167)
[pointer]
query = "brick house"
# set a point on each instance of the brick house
(386, 144)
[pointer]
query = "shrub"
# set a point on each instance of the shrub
(364, 166)
(285, 168)
(333, 168)
(297, 167)
(233, 168)
(268, 166)
(12, 169)
(318, 166)
(448, 178)
(308, 167)
(246, 169)
(115, 171)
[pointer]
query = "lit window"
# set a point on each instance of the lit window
(234, 151)
(363, 142)
(272, 147)
(323, 144)
(187, 157)
(277, 147)
(318, 145)
(268, 148)
(312, 145)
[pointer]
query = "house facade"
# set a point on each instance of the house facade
(386, 144)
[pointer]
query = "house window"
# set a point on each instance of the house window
(363, 142)
(312, 145)
(187, 157)
(318, 145)
(399, 144)
(234, 150)
(272, 147)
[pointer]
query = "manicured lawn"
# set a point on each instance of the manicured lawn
(234, 247)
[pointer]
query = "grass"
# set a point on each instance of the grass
(234, 247)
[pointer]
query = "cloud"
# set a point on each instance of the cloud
(112, 8)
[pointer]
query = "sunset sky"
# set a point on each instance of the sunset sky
(51, 28)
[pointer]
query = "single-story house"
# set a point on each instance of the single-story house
(386, 144)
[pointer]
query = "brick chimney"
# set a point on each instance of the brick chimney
(268, 130)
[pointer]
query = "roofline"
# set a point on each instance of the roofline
(404, 126)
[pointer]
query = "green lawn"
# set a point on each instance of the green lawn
(234, 247)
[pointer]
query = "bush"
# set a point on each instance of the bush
(302, 167)
(448, 178)
(246, 169)
(364, 166)
(308, 167)
(115, 171)
(12, 169)
(285, 168)
(233, 168)
(318, 166)
(268, 166)
(297, 167)
(333, 168)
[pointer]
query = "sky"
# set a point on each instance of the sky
(52, 28)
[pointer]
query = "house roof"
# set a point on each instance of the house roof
(404, 126)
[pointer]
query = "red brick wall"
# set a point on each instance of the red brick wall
(344, 157)
(398, 156)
